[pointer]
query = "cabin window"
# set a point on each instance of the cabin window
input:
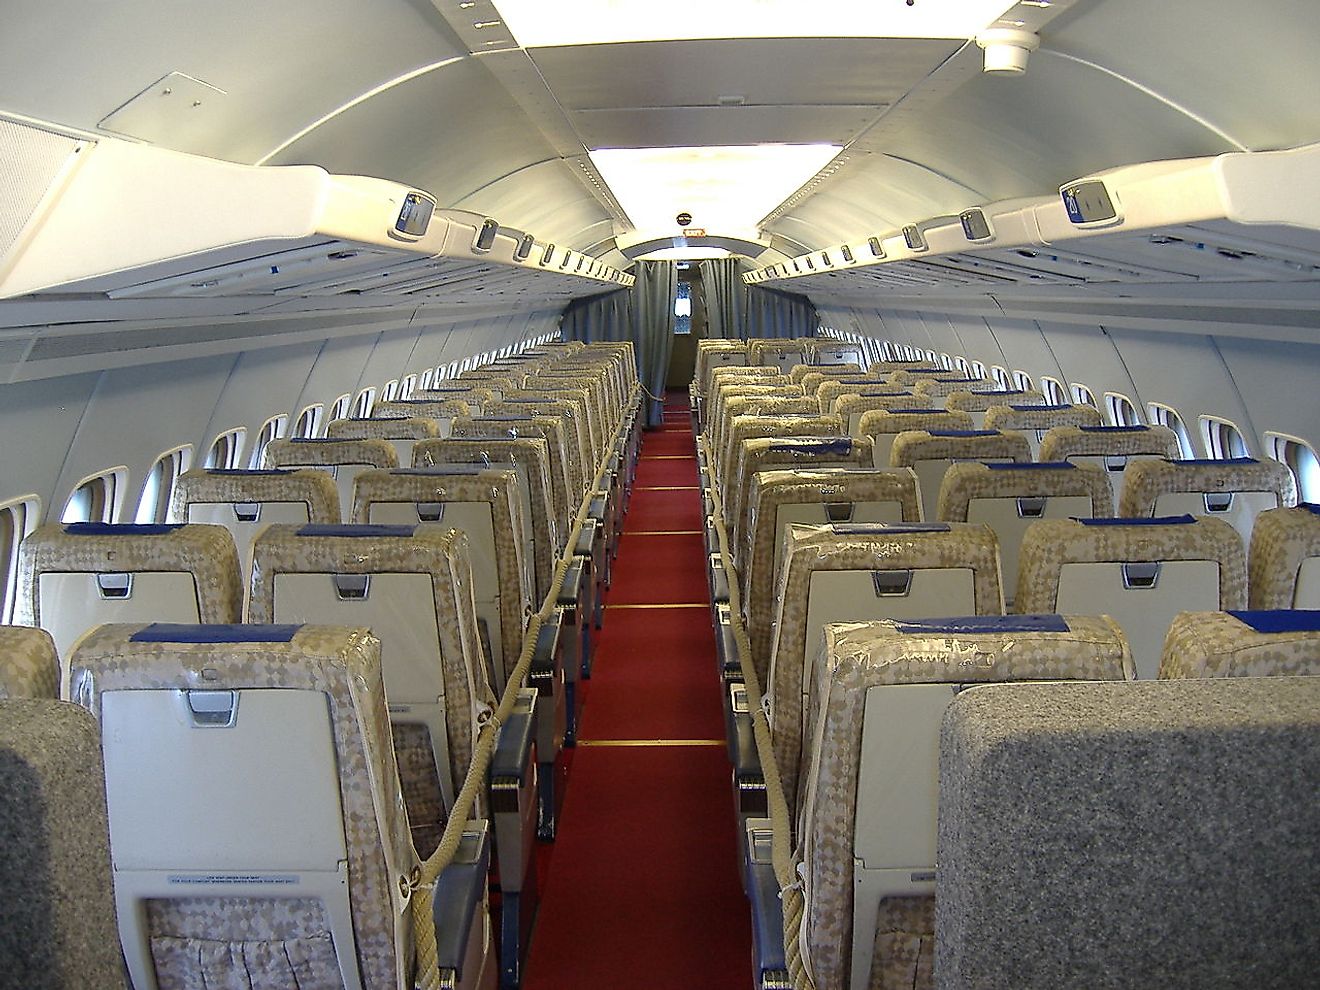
(1053, 390)
(1162, 415)
(946, 362)
(453, 369)
(1082, 395)
(963, 365)
(979, 370)
(18, 518)
(1300, 457)
(272, 429)
(424, 382)
(932, 358)
(464, 365)
(158, 486)
(96, 499)
(339, 410)
(364, 403)
(1022, 381)
(408, 386)
(1000, 376)
(309, 422)
(390, 390)
(1120, 410)
(225, 450)
(1222, 439)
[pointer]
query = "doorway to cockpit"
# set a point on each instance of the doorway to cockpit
(689, 325)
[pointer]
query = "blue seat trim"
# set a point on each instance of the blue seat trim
(882, 394)
(1032, 466)
(183, 632)
(963, 433)
(1114, 429)
(1210, 461)
(843, 446)
(1055, 408)
(998, 391)
(985, 624)
(906, 411)
(1183, 520)
(887, 529)
(120, 529)
(246, 473)
(1311, 507)
(1282, 620)
(364, 530)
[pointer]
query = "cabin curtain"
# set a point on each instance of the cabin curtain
(726, 297)
(645, 316)
(772, 313)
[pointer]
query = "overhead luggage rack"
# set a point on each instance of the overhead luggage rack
(133, 221)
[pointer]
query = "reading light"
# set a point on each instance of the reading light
(1006, 49)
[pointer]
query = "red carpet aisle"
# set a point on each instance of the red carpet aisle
(643, 887)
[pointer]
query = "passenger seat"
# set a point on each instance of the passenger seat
(343, 460)
(1235, 490)
(1284, 560)
(1242, 644)
(29, 666)
(931, 452)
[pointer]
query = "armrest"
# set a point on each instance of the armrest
(546, 659)
(513, 748)
(586, 541)
(726, 647)
(719, 580)
(771, 968)
(742, 743)
(598, 506)
(570, 592)
(459, 896)
(712, 538)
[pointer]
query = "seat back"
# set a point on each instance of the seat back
(547, 428)
(882, 426)
(484, 504)
(978, 400)
(246, 502)
(1242, 644)
(718, 416)
(810, 377)
(824, 352)
(871, 772)
(712, 354)
(1036, 420)
(476, 396)
(29, 665)
(854, 573)
(812, 496)
(413, 588)
(1236, 490)
(742, 428)
(777, 404)
(783, 354)
(572, 407)
(1010, 497)
(78, 575)
(59, 910)
(851, 405)
(1284, 561)
(401, 431)
(290, 854)
(910, 373)
(1143, 572)
(768, 452)
(930, 453)
(1100, 834)
(937, 388)
(529, 458)
(1109, 447)
(570, 430)
(829, 388)
(343, 460)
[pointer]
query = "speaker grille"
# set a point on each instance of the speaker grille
(30, 161)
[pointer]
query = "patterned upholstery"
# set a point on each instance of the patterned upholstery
(416, 408)
(979, 400)
(442, 554)
(1052, 543)
(574, 406)
(474, 395)
(761, 453)
(913, 446)
(742, 428)
(712, 354)
(811, 376)
(572, 433)
(811, 550)
(942, 386)
(1221, 644)
(545, 428)
(717, 416)
(1020, 416)
(756, 405)
(191, 935)
(29, 667)
(1282, 542)
(590, 415)
(912, 374)
(813, 484)
(826, 390)
(883, 426)
(384, 428)
(965, 482)
(330, 452)
(315, 489)
(851, 405)
(1063, 443)
(784, 353)
(511, 573)
(1147, 482)
(206, 553)
(532, 455)
(856, 658)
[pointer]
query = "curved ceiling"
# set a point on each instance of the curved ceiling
(389, 88)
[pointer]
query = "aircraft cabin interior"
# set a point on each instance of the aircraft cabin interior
(744, 494)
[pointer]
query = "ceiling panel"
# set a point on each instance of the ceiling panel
(671, 127)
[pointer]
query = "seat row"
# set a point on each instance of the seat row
(438, 565)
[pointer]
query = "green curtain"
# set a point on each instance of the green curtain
(645, 316)
(773, 313)
(726, 297)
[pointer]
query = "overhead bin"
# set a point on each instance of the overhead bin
(1232, 217)
(135, 221)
